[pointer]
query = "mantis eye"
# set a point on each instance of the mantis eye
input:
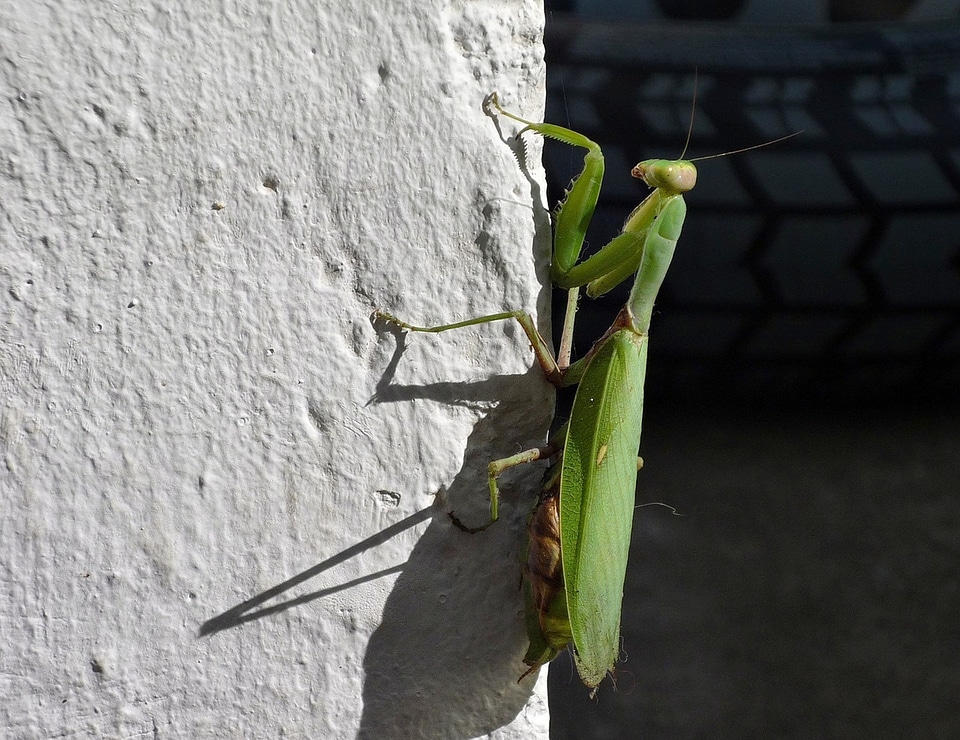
(676, 176)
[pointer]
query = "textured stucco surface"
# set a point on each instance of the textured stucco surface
(224, 488)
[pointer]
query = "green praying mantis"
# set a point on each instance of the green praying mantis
(579, 530)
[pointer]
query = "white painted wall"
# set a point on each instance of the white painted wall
(219, 479)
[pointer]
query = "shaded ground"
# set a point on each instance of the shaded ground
(811, 589)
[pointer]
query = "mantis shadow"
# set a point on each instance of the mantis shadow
(253, 609)
(452, 626)
(445, 659)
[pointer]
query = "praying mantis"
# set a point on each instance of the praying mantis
(579, 530)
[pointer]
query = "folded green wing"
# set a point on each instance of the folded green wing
(597, 495)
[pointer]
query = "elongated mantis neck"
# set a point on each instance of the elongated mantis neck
(671, 179)
(653, 269)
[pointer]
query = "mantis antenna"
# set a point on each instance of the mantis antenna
(746, 148)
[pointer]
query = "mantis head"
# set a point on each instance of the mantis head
(673, 176)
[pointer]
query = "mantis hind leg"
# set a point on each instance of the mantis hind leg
(497, 467)
(494, 470)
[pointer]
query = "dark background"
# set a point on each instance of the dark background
(802, 396)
